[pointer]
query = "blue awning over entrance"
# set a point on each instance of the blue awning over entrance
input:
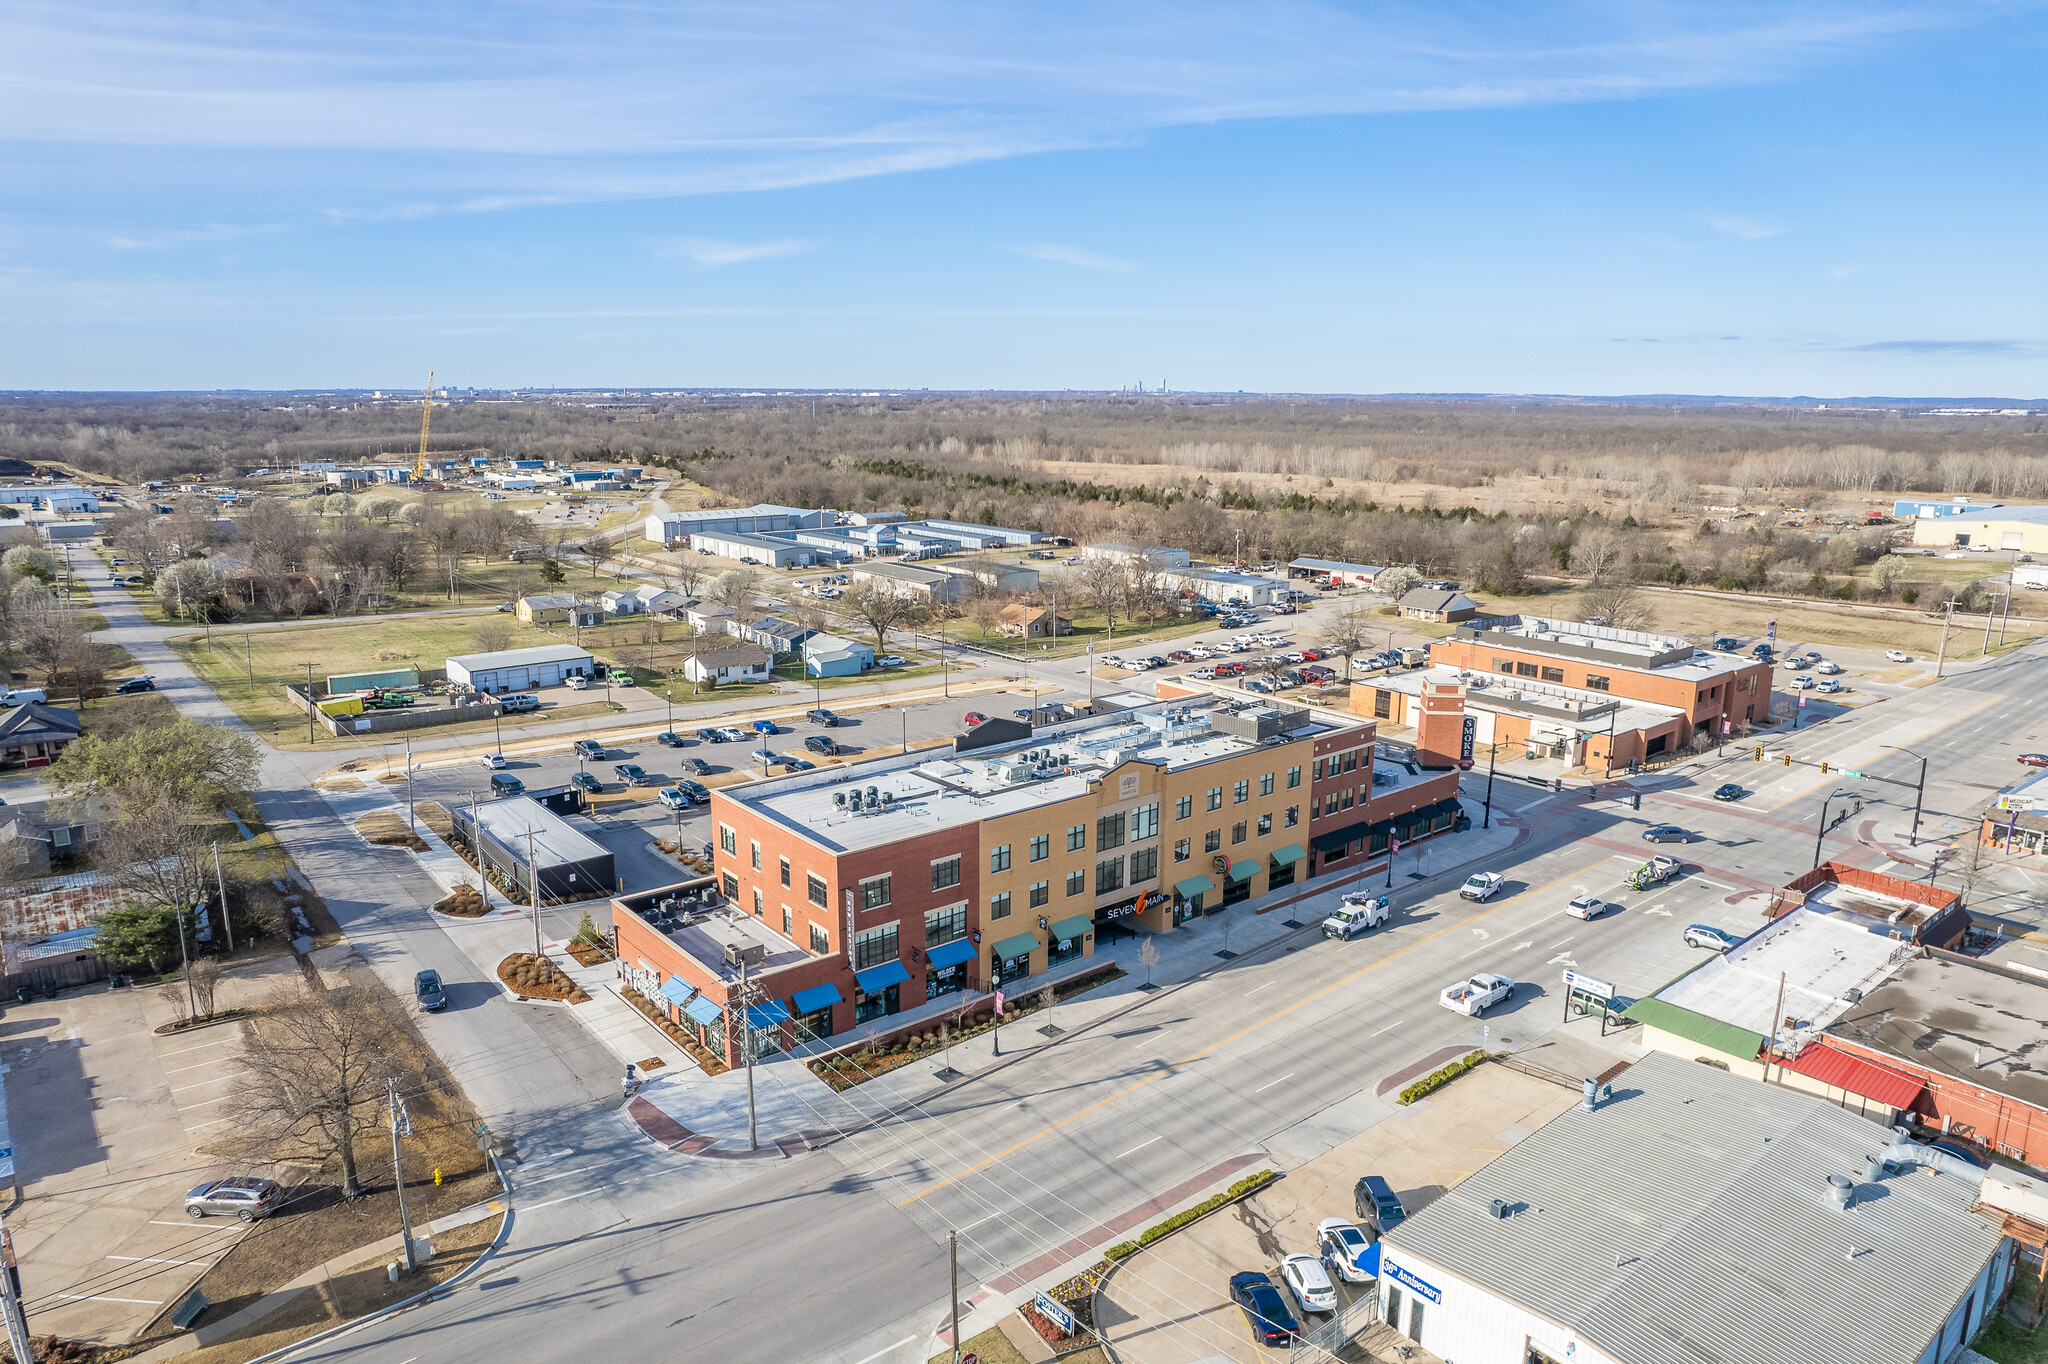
(767, 1015)
(876, 979)
(702, 1010)
(676, 990)
(816, 998)
(951, 954)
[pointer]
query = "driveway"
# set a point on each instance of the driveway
(1167, 1304)
(111, 1122)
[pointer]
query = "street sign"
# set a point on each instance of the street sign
(1850, 772)
(970, 1358)
(1055, 1312)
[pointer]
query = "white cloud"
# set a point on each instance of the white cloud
(1748, 229)
(711, 253)
(217, 232)
(523, 101)
(1071, 255)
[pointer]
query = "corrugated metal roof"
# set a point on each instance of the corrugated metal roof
(1696, 1027)
(1843, 1071)
(1687, 1221)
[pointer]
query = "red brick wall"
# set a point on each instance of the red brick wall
(1979, 1115)
(1703, 702)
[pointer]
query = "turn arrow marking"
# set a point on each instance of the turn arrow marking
(1561, 959)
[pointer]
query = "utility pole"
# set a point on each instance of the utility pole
(1777, 1016)
(249, 662)
(953, 1277)
(1948, 614)
(1984, 650)
(10, 1301)
(740, 1000)
(220, 879)
(185, 963)
(1492, 752)
(400, 1122)
(408, 784)
(310, 707)
(905, 717)
(533, 876)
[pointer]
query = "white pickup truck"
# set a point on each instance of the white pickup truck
(1358, 913)
(1475, 996)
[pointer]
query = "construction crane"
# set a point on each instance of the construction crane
(419, 465)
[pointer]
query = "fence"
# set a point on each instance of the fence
(425, 715)
(47, 975)
(1321, 1344)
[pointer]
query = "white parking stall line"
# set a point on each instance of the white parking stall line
(1390, 1027)
(203, 1103)
(890, 1349)
(1266, 1086)
(156, 1260)
(201, 1065)
(1139, 1147)
(95, 1297)
(203, 1046)
(201, 1084)
(215, 1123)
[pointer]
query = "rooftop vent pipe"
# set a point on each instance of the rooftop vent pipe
(1593, 1094)
(1840, 1188)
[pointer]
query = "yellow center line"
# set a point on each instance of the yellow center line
(1918, 738)
(1248, 1029)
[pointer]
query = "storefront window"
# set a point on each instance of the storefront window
(942, 926)
(949, 981)
(1062, 949)
(1278, 875)
(874, 947)
(812, 1026)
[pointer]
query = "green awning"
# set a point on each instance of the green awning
(1243, 869)
(1193, 886)
(1288, 855)
(1074, 927)
(1696, 1027)
(1018, 946)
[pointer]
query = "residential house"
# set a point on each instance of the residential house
(777, 636)
(708, 619)
(1435, 604)
(32, 735)
(1032, 622)
(832, 656)
(547, 608)
(726, 665)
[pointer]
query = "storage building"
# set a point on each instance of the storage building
(507, 670)
(515, 836)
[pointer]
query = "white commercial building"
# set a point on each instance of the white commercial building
(1220, 586)
(64, 499)
(1159, 556)
(773, 551)
(1696, 1217)
(674, 528)
(518, 669)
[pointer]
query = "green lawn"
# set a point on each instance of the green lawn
(2009, 1344)
(1090, 627)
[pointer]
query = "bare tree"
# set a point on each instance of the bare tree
(1105, 583)
(882, 610)
(1346, 635)
(688, 577)
(203, 976)
(316, 1069)
(1622, 604)
(986, 612)
(159, 850)
(1148, 957)
(1601, 555)
(492, 636)
(596, 551)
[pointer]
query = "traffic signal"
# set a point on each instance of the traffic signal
(1785, 758)
(1636, 801)
(1756, 755)
(1823, 769)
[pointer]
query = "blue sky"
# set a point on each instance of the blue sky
(1820, 198)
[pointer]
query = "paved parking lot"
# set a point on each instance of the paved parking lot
(110, 1124)
(1167, 1304)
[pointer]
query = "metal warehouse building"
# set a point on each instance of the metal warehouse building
(520, 833)
(518, 669)
(1696, 1216)
(776, 553)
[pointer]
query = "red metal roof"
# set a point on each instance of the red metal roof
(1823, 1063)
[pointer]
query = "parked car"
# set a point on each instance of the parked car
(1261, 686)
(1265, 1311)
(767, 757)
(792, 764)
(1201, 674)
(821, 745)
(891, 661)
(668, 738)
(1309, 1282)
(1359, 912)
(519, 703)
(1801, 684)
(672, 797)
(1180, 656)
(2034, 759)
(578, 683)
(1373, 1199)
(1587, 907)
(23, 696)
(1666, 833)
(973, 718)
(1481, 885)
(733, 735)
(494, 761)
(1347, 1249)
(589, 748)
(505, 784)
(247, 1197)
(1828, 686)
(1705, 935)
(1726, 643)
(1731, 791)
(1473, 997)
(822, 717)
(765, 727)
(135, 684)
(583, 781)
(697, 792)
(698, 765)
(1828, 669)
(711, 736)
(427, 992)
(1795, 663)
(630, 773)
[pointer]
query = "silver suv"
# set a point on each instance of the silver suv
(243, 1196)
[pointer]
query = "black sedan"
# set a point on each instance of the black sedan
(136, 684)
(668, 738)
(1265, 1311)
(583, 781)
(711, 736)
(698, 765)
(1666, 833)
(1729, 792)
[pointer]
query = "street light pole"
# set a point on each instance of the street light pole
(1492, 752)
(1822, 832)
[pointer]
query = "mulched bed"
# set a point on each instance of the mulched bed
(384, 828)
(588, 954)
(186, 1025)
(709, 1063)
(534, 977)
(465, 902)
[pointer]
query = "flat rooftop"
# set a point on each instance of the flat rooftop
(1820, 957)
(1654, 1226)
(1979, 1021)
(1549, 704)
(556, 842)
(704, 929)
(918, 793)
(1665, 655)
(773, 541)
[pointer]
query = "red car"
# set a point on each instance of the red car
(974, 717)
(1181, 656)
(1230, 669)
(2035, 759)
(1311, 655)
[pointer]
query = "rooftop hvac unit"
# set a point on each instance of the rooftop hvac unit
(874, 797)
(839, 799)
(852, 800)
(888, 799)
(750, 954)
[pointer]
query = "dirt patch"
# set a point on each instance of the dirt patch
(464, 902)
(435, 816)
(533, 977)
(388, 829)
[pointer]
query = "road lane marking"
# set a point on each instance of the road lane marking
(1391, 1026)
(887, 1348)
(1266, 1086)
(1245, 1031)
(1267, 986)
(1139, 1147)
(568, 1198)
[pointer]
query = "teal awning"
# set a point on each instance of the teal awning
(1018, 946)
(1193, 886)
(1074, 927)
(1243, 869)
(1288, 855)
(950, 954)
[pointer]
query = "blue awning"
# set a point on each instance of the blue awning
(951, 954)
(676, 990)
(816, 998)
(702, 1010)
(876, 979)
(767, 1015)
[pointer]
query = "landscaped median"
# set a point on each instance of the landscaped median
(1436, 1079)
